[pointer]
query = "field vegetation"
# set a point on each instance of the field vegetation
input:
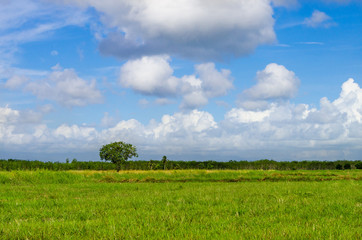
(265, 164)
(181, 204)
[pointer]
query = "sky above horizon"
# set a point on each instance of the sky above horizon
(189, 79)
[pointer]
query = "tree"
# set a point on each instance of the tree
(347, 166)
(358, 165)
(118, 153)
(339, 166)
(164, 162)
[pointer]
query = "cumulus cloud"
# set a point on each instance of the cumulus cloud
(8, 115)
(75, 132)
(150, 76)
(275, 82)
(213, 82)
(16, 127)
(283, 131)
(319, 19)
(246, 116)
(198, 29)
(350, 101)
(154, 76)
(300, 126)
(66, 88)
(24, 131)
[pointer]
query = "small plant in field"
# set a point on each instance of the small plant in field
(118, 153)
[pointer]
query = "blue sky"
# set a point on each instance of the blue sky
(193, 80)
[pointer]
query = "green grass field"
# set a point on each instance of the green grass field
(184, 204)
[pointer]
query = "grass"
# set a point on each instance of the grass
(68, 177)
(181, 205)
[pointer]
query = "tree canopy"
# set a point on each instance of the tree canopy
(118, 153)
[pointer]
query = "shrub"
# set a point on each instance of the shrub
(339, 166)
(358, 165)
(347, 166)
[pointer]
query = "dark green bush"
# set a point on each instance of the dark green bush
(339, 166)
(347, 166)
(358, 165)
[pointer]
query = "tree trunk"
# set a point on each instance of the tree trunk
(118, 166)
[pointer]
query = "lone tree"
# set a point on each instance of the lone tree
(118, 153)
(164, 162)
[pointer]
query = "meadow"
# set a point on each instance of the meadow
(181, 204)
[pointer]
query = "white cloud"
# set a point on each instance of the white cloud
(350, 101)
(319, 19)
(8, 115)
(154, 76)
(128, 131)
(24, 21)
(149, 76)
(16, 126)
(18, 75)
(198, 29)
(16, 82)
(194, 99)
(283, 131)
(75, 132)
(193, 122)
(66, 88)
(46, 108)
(24, 131)
(213, 82)
(107, 120)
(13, 13)
(244, 116)
(275, 82)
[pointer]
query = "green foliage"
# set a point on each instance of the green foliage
(13, 164)
(359, 165)
(164, 162)
(347, 166)
(339, 166)
(118, 153)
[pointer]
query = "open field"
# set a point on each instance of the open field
(194, 204)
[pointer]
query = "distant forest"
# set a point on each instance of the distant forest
(265, 164)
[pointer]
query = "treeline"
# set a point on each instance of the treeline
(265, 164)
